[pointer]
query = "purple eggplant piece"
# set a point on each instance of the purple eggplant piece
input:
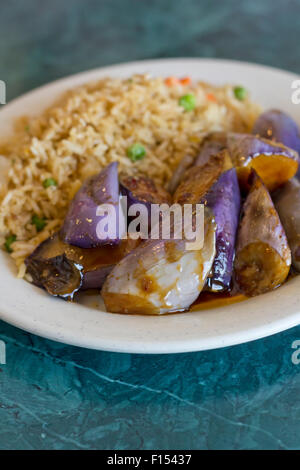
(143, 190)
(213, 144)
(64, 269)
(274, 162)
(224, 200)
(287, 203)
(97, 265)
(278, 126)
(185, 163)
(81, 221)
(263, 257)
(95, 279)
(200, 178)
(160, 276)
(50, 267)
(243, 147)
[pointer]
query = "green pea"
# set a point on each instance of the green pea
(8, 241)
(49, 182)
(136, 152)
(240, 93)
(38, 222)
(188, 102)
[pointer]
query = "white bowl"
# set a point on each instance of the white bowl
(87, 325)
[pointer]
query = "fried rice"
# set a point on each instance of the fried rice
(93, 125)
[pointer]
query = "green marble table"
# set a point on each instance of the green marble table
(54, 396)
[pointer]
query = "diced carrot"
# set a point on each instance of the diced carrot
(171, 81)
(185, 80)
(211, 97)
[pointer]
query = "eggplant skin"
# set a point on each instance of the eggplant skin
(59, 275)
(63, 269)
(263, 256)
(95, 279)
(278, 126)
(199, 178)
(80, 224)
(287, 203)
(143, 190)
(224, 200)
(212, 144)
(274, 162)
(185, 163)
(99, 262)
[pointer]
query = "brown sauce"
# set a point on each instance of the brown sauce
(207, 300)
